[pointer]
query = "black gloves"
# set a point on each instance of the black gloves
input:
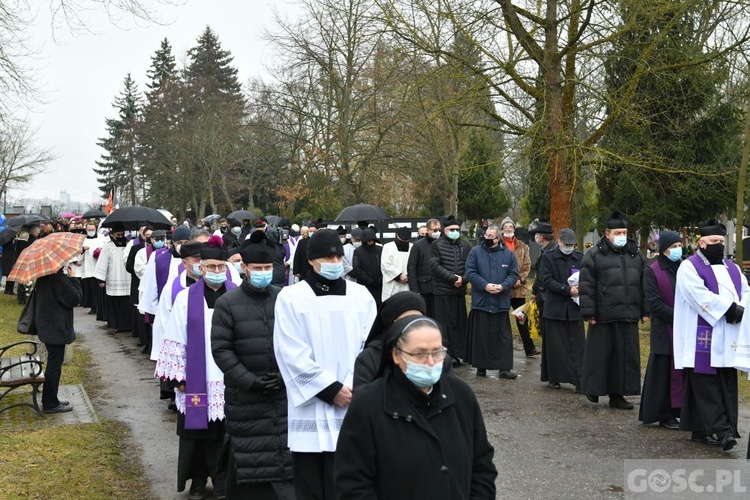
(268, 384)
(734, 313)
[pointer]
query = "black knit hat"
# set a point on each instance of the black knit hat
(368, 234)
(393, 307)
(404, 233)
(667, 239)
(214, 249)
(323, 243)
(541, 228)
(617, 221)
(190, 249)
(341, 231)
(712, 227)
(256, 249)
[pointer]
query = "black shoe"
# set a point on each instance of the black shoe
(59, 409)
(619, 402)
(535, 352)
(145, 349)
(593, 399)
(92, 311)
(671, 423)
(554, 385)
(197, 492)
(508, 374)
(456, 362)
(700, 437)
(172, 407)
(727, 442)
(481, 372)
(63, 402)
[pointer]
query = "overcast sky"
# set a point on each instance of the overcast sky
(82, 73)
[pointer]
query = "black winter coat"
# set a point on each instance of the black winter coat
(9, 257)
(366, 269)
(554, 271)
(399, 443)
(662, 315)
(537, 288)
(135, 281)
(611, 285)
(242, 345)
(418, 268)
(56, 296)
(300, 264)
(448, 260)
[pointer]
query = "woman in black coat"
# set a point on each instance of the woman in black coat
(260, 463)
(414, 432)
(56, 296)
(661, 397)
(366, 265)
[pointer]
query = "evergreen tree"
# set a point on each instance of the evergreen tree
(210, 74)
(118, 166)
(480, 182)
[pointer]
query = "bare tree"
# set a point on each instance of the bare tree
(20, 160)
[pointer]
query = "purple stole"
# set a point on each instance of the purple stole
(667, 296)
(196, 393)
(704, 331)
(149, 251)
(162, 263)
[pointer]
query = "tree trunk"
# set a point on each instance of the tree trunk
(741, 191)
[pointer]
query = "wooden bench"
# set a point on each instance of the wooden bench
(19, 371)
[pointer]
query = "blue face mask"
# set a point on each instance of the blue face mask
(620, 241)
(158, 244)
(215, 279)
(237, 230)
(238, 267)
(261, 279)
(423, 375)
(196, 269)
(331, 271)
(675, 254)
(454, 234)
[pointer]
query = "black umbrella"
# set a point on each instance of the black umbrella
(362, 212)
(135, 217)
(7, 234)
(273, 219)
(94, 214)
(241, 215)
(25, 220)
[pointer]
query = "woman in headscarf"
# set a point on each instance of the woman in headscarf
(414, 432)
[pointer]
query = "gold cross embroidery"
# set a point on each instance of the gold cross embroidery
(195, 400)
(704, 340)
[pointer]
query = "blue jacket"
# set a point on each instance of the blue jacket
(491, 265)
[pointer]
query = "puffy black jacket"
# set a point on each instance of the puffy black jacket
(242, 345)
(448, 260)
(56, 296)
(611, 284)
(418, 268)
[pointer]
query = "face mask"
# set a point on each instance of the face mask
(90, 234)
(454, 234)
(238, 267)
(357, 244)
(119, 241)
(343, 240)
(261, 279)
(489, 242)
(196, 269)
(159, 244)
(620, 241)
(423, 375)
(675, 254)
(567, 249)
(714, 253)
(331, 271)
(236, 230)
(435, 235)
(508, 236)
(215, 279)
(177, 249)
(538, 240)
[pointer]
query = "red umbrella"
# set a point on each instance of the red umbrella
(46, 256)
(69, 215)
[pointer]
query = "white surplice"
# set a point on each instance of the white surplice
(110, 268)
(88, 261)
(148, 292)
(316, 341)
(692, 299)
(392, 264)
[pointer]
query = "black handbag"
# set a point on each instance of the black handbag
(26, 323)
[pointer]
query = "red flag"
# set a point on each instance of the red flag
(110, 202)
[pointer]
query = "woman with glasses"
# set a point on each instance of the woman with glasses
(414, 432)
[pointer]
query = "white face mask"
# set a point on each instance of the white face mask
(567, 249)
(356, 244)
(435, 235)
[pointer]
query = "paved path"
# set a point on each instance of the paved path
(548, 443)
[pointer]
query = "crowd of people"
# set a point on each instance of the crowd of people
(287, 351)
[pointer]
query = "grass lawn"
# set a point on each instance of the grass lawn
(40, 460)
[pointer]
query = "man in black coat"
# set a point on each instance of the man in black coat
(139, 325)
(612, 301)
(366, 265)
(418, 267)
(260, 464)
(448, 265)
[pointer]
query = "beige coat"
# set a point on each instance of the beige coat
(523, 257)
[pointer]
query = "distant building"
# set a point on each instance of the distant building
(65, 198)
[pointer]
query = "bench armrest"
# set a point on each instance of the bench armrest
(22, 342)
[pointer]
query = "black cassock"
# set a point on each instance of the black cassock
(612, 360)
(562, 356)
(709, 402)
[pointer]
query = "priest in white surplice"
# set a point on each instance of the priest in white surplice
(707, 312)
(393, 263)
(321, 325)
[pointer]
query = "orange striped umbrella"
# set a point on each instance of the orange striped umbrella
(46, 256)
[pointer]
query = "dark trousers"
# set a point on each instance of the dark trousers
(313, 476)
(429, 300)
(450, 313)
(9, 286)
(52, 373)
(523, 328)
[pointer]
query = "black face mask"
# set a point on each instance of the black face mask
(714, 253)
(489, 242)
(402, 246)
(120, 242)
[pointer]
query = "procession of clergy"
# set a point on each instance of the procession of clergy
(262, 375)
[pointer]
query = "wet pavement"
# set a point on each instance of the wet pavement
(548, 443)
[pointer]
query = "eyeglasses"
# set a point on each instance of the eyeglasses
(214, 268)
(437, 356)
